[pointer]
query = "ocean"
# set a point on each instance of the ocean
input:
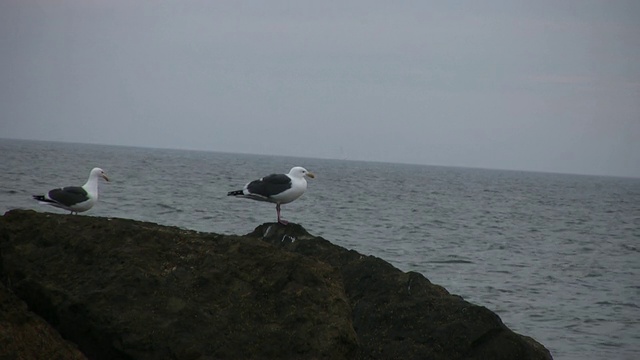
(556, 256)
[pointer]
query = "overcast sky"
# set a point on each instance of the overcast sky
(533, 85)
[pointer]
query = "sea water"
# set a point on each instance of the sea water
(556, 256)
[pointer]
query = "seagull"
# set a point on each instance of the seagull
(277, 188)
(75, 198)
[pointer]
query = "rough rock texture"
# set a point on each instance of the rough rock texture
(25, 336)
(122, 289)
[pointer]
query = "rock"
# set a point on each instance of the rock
(24, 335)
(123, 289)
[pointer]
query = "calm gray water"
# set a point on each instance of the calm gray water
(556, 256)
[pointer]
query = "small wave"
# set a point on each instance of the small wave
(450, 262)
(164, 206)
(593, 275)
(611, 344)
(615, 303)
(173, 211)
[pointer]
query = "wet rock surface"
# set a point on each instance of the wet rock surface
(123, 289)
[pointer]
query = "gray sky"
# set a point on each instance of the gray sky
(533, 85)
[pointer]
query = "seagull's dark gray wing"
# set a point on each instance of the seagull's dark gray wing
(270, 185)
(69, 195)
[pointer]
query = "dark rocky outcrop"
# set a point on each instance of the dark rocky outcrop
(25, 336)
(123, 289)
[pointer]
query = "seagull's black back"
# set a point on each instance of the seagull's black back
(270, 185)
(69, 195)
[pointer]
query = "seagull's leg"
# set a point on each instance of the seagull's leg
(281, 221)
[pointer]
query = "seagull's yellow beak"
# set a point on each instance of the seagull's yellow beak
(310, 174)
(105, 177)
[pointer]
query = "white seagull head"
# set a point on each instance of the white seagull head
(98, 173)
(300, 173)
